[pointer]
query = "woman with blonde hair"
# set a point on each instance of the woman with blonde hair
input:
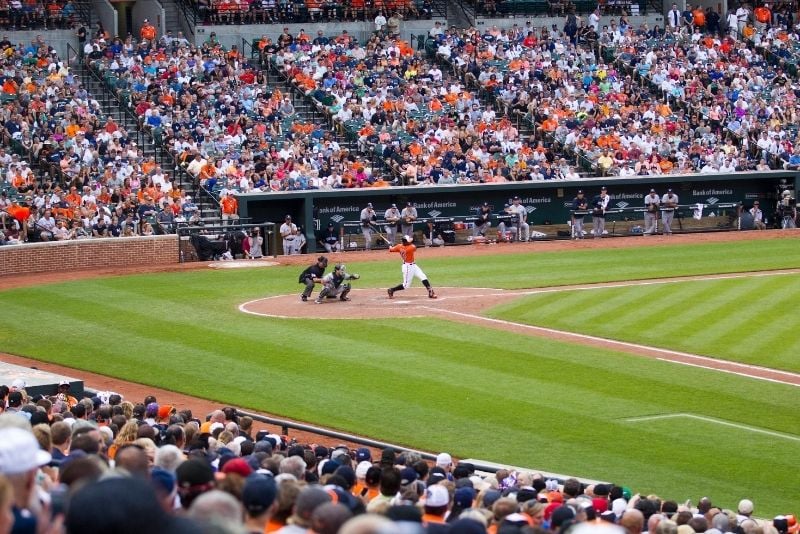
(127, 409)
(127, 434)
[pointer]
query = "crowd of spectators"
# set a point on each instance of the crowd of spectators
(69, 171)
(639, 100)
(38, 14)
(427, 123)
(608, 99)
(308, 11)
(109, 465)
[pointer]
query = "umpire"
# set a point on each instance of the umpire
(312, 275)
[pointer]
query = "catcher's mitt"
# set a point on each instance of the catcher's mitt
(355, 276)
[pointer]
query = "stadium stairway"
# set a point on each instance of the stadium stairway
(308, 110)
(123, 115)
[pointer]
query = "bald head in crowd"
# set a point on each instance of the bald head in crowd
(328, 518)
(632, 521)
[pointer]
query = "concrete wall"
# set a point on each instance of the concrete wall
(151, 10)
(232, 35)
(107, 14)
(87, 254)
(58, 39)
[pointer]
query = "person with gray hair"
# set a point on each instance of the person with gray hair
(168, 458)
(218, 508)
(721, 522)
(667, 526)
(366, 524)
(293, 465)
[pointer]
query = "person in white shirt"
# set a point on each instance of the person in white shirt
(674, 18)
(594, 20)
(741, 18)
(437, 30)
(380, 22)
(758, 216)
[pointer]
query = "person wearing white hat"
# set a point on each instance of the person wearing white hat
(20, 460)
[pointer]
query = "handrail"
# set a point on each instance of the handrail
(162, 154)
(84, 11)
(189, 11)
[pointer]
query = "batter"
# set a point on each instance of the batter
(410, 269)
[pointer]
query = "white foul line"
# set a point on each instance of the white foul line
(749, 428)
(720, 370)
(542, 329)
(631, 283)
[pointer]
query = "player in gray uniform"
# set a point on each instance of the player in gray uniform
(392, 216)
(651, 203)
(333, 284)
(519, 226)
(367, 221)
(579, 203)
(599, 207)
(668, 204)
(407, 218)
(289, 233)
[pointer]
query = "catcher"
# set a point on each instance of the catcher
(334, 284)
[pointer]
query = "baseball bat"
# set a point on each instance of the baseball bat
(380, 234)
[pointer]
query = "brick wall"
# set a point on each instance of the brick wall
(87, 254)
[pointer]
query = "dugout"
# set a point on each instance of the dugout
(548, 202)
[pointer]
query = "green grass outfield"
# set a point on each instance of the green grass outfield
(749, 320)
(438, 385)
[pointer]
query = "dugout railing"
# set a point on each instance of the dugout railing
(620, 222)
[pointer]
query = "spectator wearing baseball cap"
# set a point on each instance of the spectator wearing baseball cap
(745, 510)
(258, 498)
(195, 477)
(20, 460)
(445, 461)
(436, 504)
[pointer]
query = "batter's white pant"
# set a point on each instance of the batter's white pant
(410, 270)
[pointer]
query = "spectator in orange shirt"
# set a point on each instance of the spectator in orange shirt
(148, 32)
(230, 208)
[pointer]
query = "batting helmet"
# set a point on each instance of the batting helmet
(407, 239)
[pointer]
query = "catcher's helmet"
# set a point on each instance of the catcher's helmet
(407, 239)
(339, 267)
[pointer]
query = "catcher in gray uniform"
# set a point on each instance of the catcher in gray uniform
(334, 284)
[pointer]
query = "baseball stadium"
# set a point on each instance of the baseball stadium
(430, 266)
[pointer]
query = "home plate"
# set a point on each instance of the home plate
(241, 264)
